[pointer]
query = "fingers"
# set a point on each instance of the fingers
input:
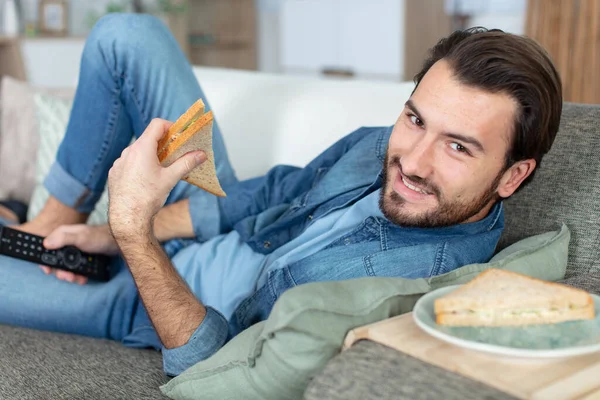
(80, 280)
(70, 277)
(62, 236)
(125, 152)
(185, 165)
(157, 129)
(65, 275)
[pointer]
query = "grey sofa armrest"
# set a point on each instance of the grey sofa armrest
(45, 365)
(369, 370)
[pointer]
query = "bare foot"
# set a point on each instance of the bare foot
(53, 215)
(7, 214)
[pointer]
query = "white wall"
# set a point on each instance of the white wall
(268, 35)
(508, 22)
(508, 15)
(52, 62)
(354, 35)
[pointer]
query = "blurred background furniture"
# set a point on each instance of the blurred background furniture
(570, 31)
(216, 33)
(382, 39)
(11, 62)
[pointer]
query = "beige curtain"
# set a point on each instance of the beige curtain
(570, 32)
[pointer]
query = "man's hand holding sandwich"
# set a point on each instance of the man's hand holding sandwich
(138, 187)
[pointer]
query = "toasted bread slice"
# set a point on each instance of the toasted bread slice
(197, 136)
(498, 297)
(183, 122)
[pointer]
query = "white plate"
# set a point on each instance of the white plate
(565, 339)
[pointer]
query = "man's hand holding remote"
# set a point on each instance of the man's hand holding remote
(95, 239)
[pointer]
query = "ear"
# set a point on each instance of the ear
(514, 176)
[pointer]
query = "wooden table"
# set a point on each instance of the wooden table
(556, 379)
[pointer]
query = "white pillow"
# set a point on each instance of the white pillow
(19, 137)
(53, 116)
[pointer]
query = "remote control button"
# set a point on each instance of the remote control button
(18, 251)
(71, 257)
(49, 259)
(19, 235)
(19, 243)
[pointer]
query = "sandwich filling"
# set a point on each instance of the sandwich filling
(185, 127)
(196, 118)
(521, 312)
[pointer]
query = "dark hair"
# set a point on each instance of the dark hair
(500, 62)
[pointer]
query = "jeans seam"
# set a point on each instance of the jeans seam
(368, 265)
(136, 102)
(439, 259)
(112, 120)
(383, 235)
(108, 138)
(379, 147)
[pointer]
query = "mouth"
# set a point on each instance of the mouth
(413, 187)
(409, 190)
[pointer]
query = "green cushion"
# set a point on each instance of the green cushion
(277, 358)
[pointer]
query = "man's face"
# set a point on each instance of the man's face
(446, 155)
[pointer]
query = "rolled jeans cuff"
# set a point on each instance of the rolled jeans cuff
(206, 340)
(69, 191)
(205, 215)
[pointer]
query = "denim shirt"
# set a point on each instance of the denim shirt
(269, 211)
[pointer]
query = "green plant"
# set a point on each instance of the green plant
(115, 7)
(173, 6)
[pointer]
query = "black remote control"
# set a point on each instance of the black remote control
(28, 247)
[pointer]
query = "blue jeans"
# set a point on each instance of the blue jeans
(132, 70)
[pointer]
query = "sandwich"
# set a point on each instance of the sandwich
(498, 297)
(192, 131)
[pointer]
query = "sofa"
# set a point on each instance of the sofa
(268, 120)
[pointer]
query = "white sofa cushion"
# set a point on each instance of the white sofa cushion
(266, 119)
(269, 119)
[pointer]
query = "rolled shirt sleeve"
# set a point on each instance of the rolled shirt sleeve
(206, 340)
(205, 215)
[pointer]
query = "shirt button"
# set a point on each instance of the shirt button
(267, 244)
(310, 217)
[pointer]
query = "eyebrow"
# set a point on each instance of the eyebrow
(457, 136)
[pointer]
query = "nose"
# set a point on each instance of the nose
(418, 159)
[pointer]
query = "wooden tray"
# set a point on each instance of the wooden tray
(555, 379)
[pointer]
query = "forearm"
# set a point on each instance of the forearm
(172, 307)
(174, 221)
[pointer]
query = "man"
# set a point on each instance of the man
(417, 199)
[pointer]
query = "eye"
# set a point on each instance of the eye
(459, 147)
(415, 120)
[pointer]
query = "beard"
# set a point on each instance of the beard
(448, 212)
